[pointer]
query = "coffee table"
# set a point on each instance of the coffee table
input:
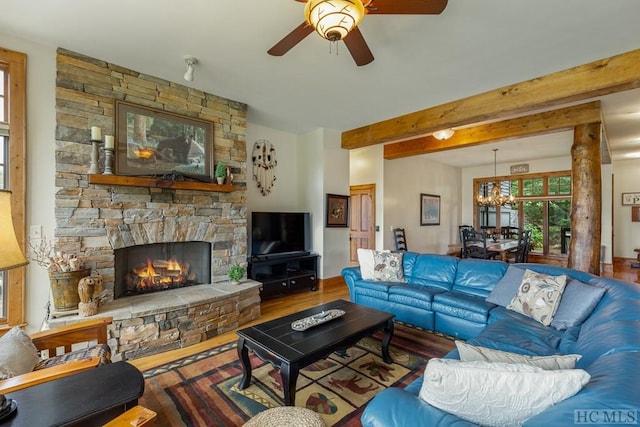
(274, 341)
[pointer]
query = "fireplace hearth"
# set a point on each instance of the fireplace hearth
(157, 267)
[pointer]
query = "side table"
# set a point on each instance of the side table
(89, 398)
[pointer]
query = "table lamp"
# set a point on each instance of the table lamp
(11, 256)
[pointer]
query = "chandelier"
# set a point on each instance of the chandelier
(495, 198)
(333, 19)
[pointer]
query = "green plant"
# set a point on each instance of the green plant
(221, 171)
(235, 272)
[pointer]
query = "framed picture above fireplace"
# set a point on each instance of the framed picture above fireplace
(158, 143)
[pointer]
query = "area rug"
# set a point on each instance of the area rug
(201, 390)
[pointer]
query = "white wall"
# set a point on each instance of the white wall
(404, 180)
(41, 125)
(366, 166)
(627, 233)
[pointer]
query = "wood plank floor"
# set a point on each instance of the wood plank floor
(278, 307)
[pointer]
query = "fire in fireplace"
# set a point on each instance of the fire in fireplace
(160, 266)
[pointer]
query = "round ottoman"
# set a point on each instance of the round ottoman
(286, 416)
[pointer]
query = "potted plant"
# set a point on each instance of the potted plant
(220, 173)
(235, 273)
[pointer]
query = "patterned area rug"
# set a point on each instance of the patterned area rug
(201, 390)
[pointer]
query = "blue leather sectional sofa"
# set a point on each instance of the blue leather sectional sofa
(448, 295)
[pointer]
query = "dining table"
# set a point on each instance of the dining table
(503, 246)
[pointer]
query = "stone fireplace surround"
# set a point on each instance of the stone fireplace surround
(92, 220)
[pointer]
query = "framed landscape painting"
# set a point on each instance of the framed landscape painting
(158, 143)
(429, 209)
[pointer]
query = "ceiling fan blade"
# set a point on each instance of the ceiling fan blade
(358, 47)
(406, 7)
(291, 39)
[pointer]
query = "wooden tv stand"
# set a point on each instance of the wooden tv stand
(281, 275)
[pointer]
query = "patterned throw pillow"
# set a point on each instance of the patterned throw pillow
(388, 267)
(538, 296)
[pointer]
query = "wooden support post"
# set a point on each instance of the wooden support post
(586, 199)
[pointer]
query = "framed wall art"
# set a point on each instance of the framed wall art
(429, 209)
(631, 198)
(635, 214)
(337, 211)
(154, 142)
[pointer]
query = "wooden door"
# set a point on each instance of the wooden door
(362, 219)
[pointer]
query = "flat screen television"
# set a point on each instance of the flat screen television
(280, 233)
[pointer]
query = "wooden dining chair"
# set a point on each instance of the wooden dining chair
(509, 232)
(474, 245)
(400, 240)
(521, 253)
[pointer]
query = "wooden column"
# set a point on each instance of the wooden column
(586, 199)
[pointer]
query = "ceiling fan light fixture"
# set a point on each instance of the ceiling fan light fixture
(443, 134)
(333, 19)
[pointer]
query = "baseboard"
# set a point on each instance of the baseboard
(331, 282)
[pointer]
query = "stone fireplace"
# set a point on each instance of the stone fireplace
(97, 221)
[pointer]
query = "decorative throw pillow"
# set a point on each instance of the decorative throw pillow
(507, 287)
(388, 267)
(18, 355)
(472, 353)
(538, 296)
(497, 394)
(577, 303)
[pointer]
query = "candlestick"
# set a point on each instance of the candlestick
(108, 159)
(93, 169)
(108, 142)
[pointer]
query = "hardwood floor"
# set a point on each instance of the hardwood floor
(332, 290)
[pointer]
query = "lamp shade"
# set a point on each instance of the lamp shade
(11, 255)
(333, 19)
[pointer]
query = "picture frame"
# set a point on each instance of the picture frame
(631, 198)
(429, 209)
(635, 214)
(337, 210)
(153, 142)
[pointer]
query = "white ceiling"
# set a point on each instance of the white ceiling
(421, 61)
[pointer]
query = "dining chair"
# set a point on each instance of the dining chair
(509, 232)
(474, 245)
(461, 228)
(399, 239)
(521, 253)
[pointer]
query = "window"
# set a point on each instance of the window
(12, 173)
(543, 206)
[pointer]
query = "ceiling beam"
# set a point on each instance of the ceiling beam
(610, 75)
(535, 124)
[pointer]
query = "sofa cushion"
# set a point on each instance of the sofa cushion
(538, 296)
(612, 336)
(507, 286)
(577, 303)
(410, 301)
(18, 355)
(366, 262)
(497, 394)
(478, 277)
(471, 353)
(102, 351)
(520, 335)
(430, 269)
(465, 301)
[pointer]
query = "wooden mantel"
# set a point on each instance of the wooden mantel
(139, 181)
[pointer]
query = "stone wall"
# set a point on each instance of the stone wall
(93, 219)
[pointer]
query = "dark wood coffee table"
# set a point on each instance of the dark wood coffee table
(290, 350)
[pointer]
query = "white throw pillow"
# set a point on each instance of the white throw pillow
(365, 259)
(538, 296)
(472, 353)
(497, 394)
(18, 355)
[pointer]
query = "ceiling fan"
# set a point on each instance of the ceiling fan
(338, 20)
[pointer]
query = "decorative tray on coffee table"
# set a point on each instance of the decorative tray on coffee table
(316, 319)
